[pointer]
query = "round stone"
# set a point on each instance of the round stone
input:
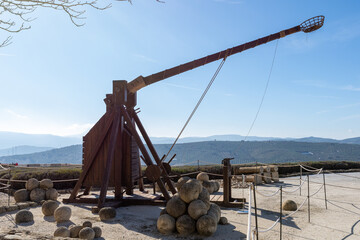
(24, 216)
(37, 195)
(206, 225)
(51, 194)
(196, 209)
(62, 214)
(48, 208)
(74, 230)
(87, 233)
(202, 177)
(46, 183)
(87, 224)
(166, 224)
(185, 225)
(107, 213)
(176, 207)
(190, 190)
(22, 195)
(181, 181)
(31, 184)
(289, 205)
(223, 221)
(97, 231)
(62, 232)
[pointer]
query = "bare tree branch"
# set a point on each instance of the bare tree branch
(15, 14)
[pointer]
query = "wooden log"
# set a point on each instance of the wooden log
(257, 179)
(275, 176)
(249, 170)
(267, 177)
(273, 168)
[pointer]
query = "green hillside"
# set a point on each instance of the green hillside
(213, 152)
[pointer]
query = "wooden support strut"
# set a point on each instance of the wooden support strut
(153, 151)
(143, 149)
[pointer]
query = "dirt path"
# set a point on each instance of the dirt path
(139, 222)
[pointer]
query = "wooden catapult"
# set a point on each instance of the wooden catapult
(111, 148)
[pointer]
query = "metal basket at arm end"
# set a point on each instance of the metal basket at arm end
(312, 24)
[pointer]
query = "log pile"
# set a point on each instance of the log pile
(258, 174)
(190, 210)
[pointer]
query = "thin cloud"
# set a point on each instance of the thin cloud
(17, 115)
(145, 58)
(7, 55)
(351, 88)
(230, 1)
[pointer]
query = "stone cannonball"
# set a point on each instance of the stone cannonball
(37, 195)
(62, 214)
(97, 231)
(181, 181)
(62, 232)
(22, 195)
(46, 183)
(24, 216)
(31, 184)
(74, 230)
(176, 207)
(48, 207)
(190, 190)
(185, 225)
(202, 177)
(87, 233)
(289, 205)
(51, 194)
(206, 225)
(196, 209)
(107, 213)
(166, 224)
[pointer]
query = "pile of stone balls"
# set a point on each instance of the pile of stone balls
(84, 231)
(190, 210)
(211, 186)
(36, 191)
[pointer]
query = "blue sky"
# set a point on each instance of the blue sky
(54, 76)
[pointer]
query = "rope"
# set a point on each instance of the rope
(4, 168)
(271, 227)
(268, 195)
(311, 170)
(292, 191)
(342, 174)
(198, 104)
(317, 191)
(332, 185)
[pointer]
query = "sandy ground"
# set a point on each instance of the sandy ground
(139, 222)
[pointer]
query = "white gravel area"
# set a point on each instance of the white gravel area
(139, 222)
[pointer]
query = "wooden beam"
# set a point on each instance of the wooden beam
(118, 159)
(92, 157)
(109, 160)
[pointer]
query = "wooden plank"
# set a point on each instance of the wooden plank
(109, 120)
(109, 160)
(118, 158)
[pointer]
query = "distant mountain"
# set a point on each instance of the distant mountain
(12, 139)
(316, 140)
(352, 140)
(212, 152)
(70, 154)
(19, 150)
(227, 137)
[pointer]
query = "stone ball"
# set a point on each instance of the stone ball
(31, 184)
(204, 196)
(185, 225)
(62, 214)
(22, 195)
(196, 209)
(107, 213)
(217, 186)
(37, 195)
(175, 207)
(74, 230)
(51, 194)
(87, 233)
(190, 190)
(87, 224)
(215, 211)
(46, 183)
(202, 177)
(206, 225)
(97, 231)
(24, 216)
(48, 208)
(289, 205)
(62, 232)
(163, 212)
(181, 181)
(209, 186)
(223, 221)
(165, 224)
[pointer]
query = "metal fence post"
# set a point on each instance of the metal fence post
(308, 196)
(325, 190)
(281, 212)
(300, 178)
(256, 220)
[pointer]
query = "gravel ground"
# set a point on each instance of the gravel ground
(139, 222)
